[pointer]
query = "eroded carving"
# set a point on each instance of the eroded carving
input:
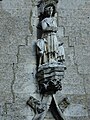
(50, 55)
(49, 77)
(41, 50)
(63, 104)
(61, 53)
(41, 107)
(49, 28)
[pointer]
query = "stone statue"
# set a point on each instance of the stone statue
(61, 53)
(50, 72)
(49, 28)
(41, 50)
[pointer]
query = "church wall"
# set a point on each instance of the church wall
(18, 22)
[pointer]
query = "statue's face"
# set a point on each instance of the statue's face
(49, 10)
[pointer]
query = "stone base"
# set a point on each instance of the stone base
(49, 77)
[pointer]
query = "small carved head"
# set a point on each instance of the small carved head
(49, 10)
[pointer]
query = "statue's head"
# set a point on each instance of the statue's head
(49, 10)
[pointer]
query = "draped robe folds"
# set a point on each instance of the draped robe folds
(41, 49)
(50, 34)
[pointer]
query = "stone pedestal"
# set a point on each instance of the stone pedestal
(49, 77)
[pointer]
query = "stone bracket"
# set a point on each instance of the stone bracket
(49, 77)
(41, 109)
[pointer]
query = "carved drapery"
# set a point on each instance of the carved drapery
(50, 62)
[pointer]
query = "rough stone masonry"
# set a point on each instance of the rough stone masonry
(18, 34)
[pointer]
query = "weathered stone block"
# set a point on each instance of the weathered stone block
(6, 78)
(62, 21)
(5, 96)
(67, 4)
(23, 97)
(72, 76)
(18, 109)
(8, 58)
(69, 56)
(88, 104)
(86, 84)
(25, 68)
(73, 89)
(1, 110)
(78, 99)
(71, 99)
(26, 50)
(9, 48)
(14, 30)
(84, 69)
(26, 59)
(82, 56)
(83, 39)
(73, 32)
(24, 78)
(6, 117)
(23, 117)
(16, 117)
(6, 71)
(24, 87)
(76, 110)
(77, 118)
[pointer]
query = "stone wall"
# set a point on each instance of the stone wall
(18, 33)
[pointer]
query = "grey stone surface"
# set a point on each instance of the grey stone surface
(18, 33)
(25, 76)
(78, 118)
(73, 89)
(76, 110)
(82, 56)
(7, 58)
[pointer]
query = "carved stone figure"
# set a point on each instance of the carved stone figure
(61, 53)
(50, 71)
(41, 50)
(49, 27)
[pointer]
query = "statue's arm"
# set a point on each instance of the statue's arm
(46, 27)
(51, 29)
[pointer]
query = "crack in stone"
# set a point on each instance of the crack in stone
(12, 83)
